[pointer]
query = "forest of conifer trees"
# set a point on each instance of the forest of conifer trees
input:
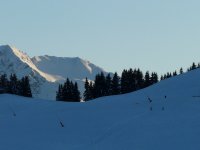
(130, 80)
(103, 85)
(68, 92)
(113, 84)
(15, 86)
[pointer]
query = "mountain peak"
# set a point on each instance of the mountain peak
(46, 72)
(69, 67)
(10, 50)
(12, 59)
(5, 48)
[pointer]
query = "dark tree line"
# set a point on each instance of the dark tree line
(102, 86)
(106, 85)
(15, 86)
(175, 73)
(68, 92)
(193, 67)
(130, 80)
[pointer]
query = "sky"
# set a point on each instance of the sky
(154, 35)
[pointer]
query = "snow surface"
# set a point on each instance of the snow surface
(122, 122)
(46, 72)
(66, 67)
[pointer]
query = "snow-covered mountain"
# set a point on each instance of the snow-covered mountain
(123, 122)
(46, 72)
(73, 68)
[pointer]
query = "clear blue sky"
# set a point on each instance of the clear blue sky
(155, 35)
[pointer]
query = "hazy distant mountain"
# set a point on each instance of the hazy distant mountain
(46, 72)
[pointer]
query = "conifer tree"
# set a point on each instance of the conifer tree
(91, 90)
(139, 79)
(147, 80)
(115, 85)
(132, 80)
(193, 66)
(71, 92)
(198, 65)
(76, 94)
(59, 93)
(4, 82)
(24, 88)
(108, 90)
(87, 94)
(165, 76)
(13, 85)
(124, 82)
(161, 78)
(174, 73)
(169, 75)
(99, 85)
(181, 71)
(154, 78)
(68, 92)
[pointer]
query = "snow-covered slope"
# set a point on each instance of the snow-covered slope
(122, 122)
(45, 72)
(13, 60)
(73, 68)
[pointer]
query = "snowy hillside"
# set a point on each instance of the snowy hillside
(73, 68)
(13, 60)
(45, 72)
(122, 122)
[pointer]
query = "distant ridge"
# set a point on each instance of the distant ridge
(46, 72)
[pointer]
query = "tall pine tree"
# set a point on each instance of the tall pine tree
(13, 85)
(115, 84)
(68, 92)
(108, 90)
(147, 79)
(25, 89)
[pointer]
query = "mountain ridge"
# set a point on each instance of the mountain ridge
(46, 72)
(74, 65)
